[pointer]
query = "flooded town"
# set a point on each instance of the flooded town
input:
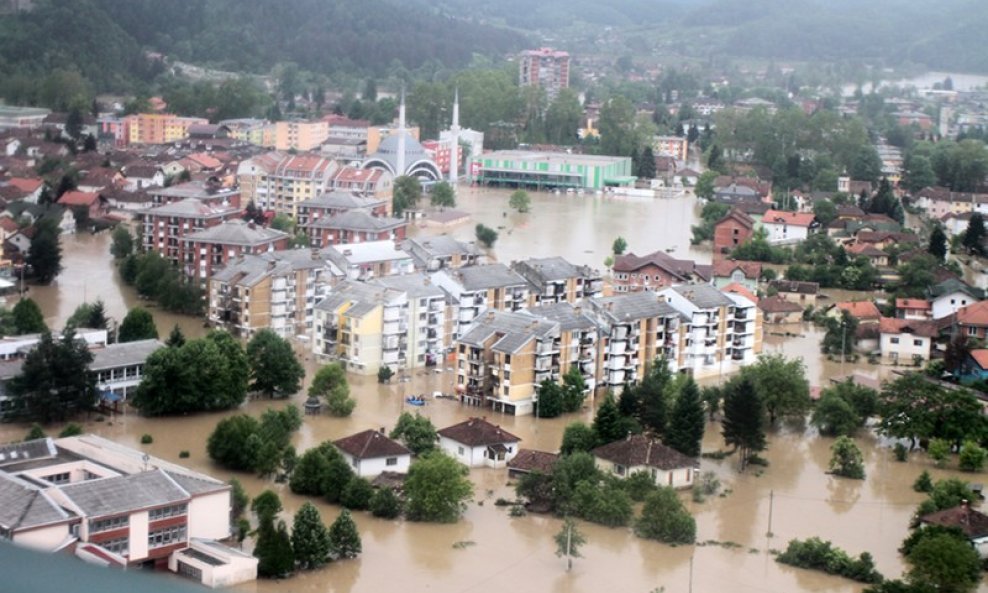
(588, 296)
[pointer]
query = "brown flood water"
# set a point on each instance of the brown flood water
(518, 553)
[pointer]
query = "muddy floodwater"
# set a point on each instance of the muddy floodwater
(497, 552)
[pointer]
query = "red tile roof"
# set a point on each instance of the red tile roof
(371, 444)
(777, 304)
(26, 185)
(973, 523)
(78, 198)
(530, 460)
(975, 314)
(894, 325)
(683, 269)
(725, 267)
(736, 288)
(861, 309)
(639, 450)
(739, 216)
(8, 224)
(980, 356)
(790, 218)
(920, 304)
(477, 432)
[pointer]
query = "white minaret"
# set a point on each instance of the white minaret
(454, 133)
(401, 137)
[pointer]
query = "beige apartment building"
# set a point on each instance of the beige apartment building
(299, 135)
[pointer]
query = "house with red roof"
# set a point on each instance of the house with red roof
(477, 443)
(655, 271)
(731, 231)
(876, 256)
(776, 309)
(975, 367)
(906, 341)
(85, 205)
(919, 309)
(30, 189)
(972, 523)
(638, 453)
(972, 320)
(788, 228)
(731, 271)
(863, 311)
(371, 453)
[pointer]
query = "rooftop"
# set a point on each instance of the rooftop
(190, 208)
(487, 276)
(125, 354)
(511, 330)
(478, 432)
(531, 460)
(703, 296)
(639, 450)
(124, 494)
(566, 315)
(632, 307)
(237, 232)
(371, 444)
(350, 254)
(357, 220)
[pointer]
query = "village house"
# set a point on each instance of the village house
(916, 309)
(802, 293)
(532, 461)
(85, 206)
(371, 452)
(863, 311)
(787, 228)
(949, 296)
(478, 443)
(777, 310)
(638, 453)
(905, 341)
(735, 229)
(117, 506)
(874, 255)
(655, 271)
(30, 189)
(729, 271)
(975, 367)
(972, 523)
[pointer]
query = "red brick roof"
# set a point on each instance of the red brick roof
(920, 304)
(861, 309)
(725, 267)
(683, 269)
(980, 356)
(8, 224)
(790, 218)
(975, 314)
(894, 325)
(78, 198)
(477, 432)
(26, 185)
(530, 460)
(741, 290)
(371, 444)
(639, 450)
(971, 522)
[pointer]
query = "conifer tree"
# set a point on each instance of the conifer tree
(686, 423)
(344, 538)
(744, 418)
(310, 538)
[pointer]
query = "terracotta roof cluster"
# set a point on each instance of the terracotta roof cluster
(79, 198)
(371, 444)
(531, 460)
(477, 432)
(639, 450)
(921, 304)
(736, 288)
(894, 325)
(777, 304)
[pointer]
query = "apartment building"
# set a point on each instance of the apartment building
(373, 259)
(277, 290)
(579, 335)
(670, 146)
(555, 280)
(209, 193)
(158, 128)
(353, 226)
(635, 329)
(299, 135)
(117, 506)
(476, 289)
(370, 183)
(210, 249)
(428, 318)
(166, 226)
(363, 326)
(334, 203)
(442, 252)
(544, 68)
(279, 182)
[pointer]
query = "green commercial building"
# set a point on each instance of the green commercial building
(551, 170)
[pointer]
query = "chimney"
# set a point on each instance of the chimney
(965, 513)
(381, 430)
(251, 225)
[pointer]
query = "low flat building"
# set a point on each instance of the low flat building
(119, 368)
(551, 170)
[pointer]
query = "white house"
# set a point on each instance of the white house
(371, 452)
(787, 228)
(905, 341)
(638, 453)
(955, 223)
(973, 523)
(951, 295)
(477, 443)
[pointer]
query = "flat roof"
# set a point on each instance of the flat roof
(551, 157)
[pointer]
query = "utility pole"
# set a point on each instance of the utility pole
(843, 344)
(691, 573)
(569, 547)
(771, 504)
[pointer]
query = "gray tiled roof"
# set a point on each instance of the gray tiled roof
(34, 449)
(626, 307)
(363, 296)
(197, 484)
(514, 330)
(126, 354)
(236, 232)
(416, 285)
(189, 208)
(124, 494)
(568, 316)
(23, 505)
(340, 200)
(488, 276)
(439, 246)
(357, 220)
(250, 269)
(703, 296)
(546, 269)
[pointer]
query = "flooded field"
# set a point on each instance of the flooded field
(518, 553)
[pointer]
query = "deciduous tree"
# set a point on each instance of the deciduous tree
(520, 201)
(27, 318)
(664, 518)
(416, 432)
(781, 385)
(274, 368)
(578, 437)
(443, 195)
(436, 489)
(846, 460)
(138, 324)
(569, 540)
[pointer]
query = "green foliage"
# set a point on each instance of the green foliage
(946, 494)
(206, 374)
(443, 195)
(846, 459)
(946, 563)
(330, 383)
(310, 538)
(436, 489)
(384, 374)
(744, 424)
(569, 540)
(243, 443)
(712, 212)
(357, 494)
(960, 166)
(343, 537)
(609, 425)
(619, 246)
(639, 485)
(137, 325)
(176, 339)
(573, 391)
(274, 550)
(757, 248)
(914, 408)
(781, 385)
(406, 193)
(705, 188)
(35, 433)
(578, 437)
(486, 235)
(654, 395)
(834, 416)
(972, 457)
(312, 471)
(816, 554)
(938, 244)
(687, 421)
(27, 318)
(71, 429)
(155, 278)
(146, 439)
(274, 368)
(825, 212)
(238, 498)
(939, 451)
(55, 382)
(973, 238)
(901, 452)
(550, 399)
(416, 432)
(664, 518)
(45, 255)
(123, 242)
(266, 506)
(605, 502)
(385, 504)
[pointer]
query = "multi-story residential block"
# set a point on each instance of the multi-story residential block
(442, 252)
(280, 182)
(373, 259)
(655, 271)
(544, 68)
(209, 249)
(166, 226)
(118, 506)
(276, 290)
(341, 126)
(578, 339)
(476, 289)
(210, 194)
(363, 326)
(555, 280)
(428, 317)
(370, 183)
(250, 130)
(635, 329)
(354, 226)
(339, 202)
(671, 146)
(299, 135)
(158, 128)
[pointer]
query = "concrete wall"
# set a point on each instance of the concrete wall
(45, 539)
(209, 516)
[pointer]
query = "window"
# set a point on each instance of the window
(917, 342)
(166, 536)
(56, 479)
(108, 524)
(972, 331)
(619, 469)
(391, 461)
(120, 545)
(165, 512)
(189, 571)
(894, 340)
(459, 450)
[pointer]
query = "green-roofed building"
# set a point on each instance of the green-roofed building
(551, 170)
